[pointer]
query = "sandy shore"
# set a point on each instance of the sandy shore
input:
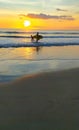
(48, 101)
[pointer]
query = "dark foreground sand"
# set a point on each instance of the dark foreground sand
(48, 101)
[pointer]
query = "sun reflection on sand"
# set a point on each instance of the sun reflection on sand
(30, 52)
(26, 53)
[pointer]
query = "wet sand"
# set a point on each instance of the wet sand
(45, 101)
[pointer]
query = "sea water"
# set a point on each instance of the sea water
(20, 56)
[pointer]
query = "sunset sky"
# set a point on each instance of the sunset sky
(43, 14)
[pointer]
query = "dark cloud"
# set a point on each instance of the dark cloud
(45, 16)
(58, 9)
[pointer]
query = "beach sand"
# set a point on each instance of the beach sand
(45, 101)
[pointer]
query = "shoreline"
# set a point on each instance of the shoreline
(42, 101)
(7, 79)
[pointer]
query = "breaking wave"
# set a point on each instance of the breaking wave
(16, 36)
(39, 44)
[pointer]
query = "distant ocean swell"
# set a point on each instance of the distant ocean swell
(51, 32)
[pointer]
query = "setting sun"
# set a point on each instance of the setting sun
(27, 23)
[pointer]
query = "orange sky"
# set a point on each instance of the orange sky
(16, 22)
(60, 16)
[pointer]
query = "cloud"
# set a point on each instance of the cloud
(58, 9)
(46, 16)
(77, 12)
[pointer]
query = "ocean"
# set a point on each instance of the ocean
(20, 56)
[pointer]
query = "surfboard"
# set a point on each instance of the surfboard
(38, 37)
